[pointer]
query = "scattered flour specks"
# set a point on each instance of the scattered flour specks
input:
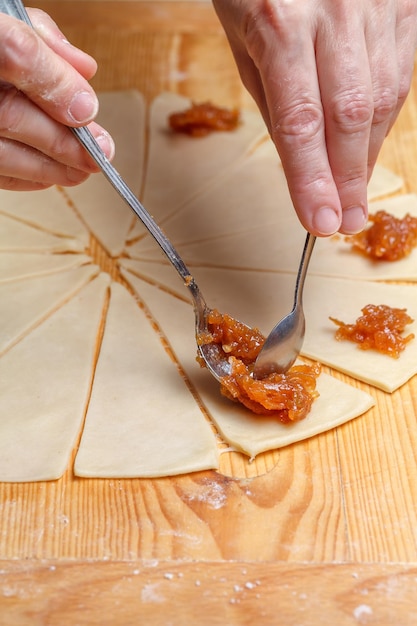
(213, 494)
(150, 593)
(362, 610)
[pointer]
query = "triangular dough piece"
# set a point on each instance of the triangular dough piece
(25, 303)
(254, 193)
(103, 210)
(18, 265)
(142, 419)
(343, 300)
(181, 167)
(15, 236)
(44, 384)
(157, 273)
(47, 209)
(251, 434)
(337, 404)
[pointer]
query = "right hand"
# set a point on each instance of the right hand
(44, 89)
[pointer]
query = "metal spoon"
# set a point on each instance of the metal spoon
(212, 354)
(283, 344)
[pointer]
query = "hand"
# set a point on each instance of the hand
(330, 77)
(43, 89)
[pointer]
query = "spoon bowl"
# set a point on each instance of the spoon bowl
(285, 341)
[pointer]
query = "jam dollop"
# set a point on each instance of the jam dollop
(379, 328)
(388, 238)
(201, 119)
(288, 397)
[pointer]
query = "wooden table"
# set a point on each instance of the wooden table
(322, 532)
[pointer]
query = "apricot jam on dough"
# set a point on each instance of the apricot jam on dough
(378, 328)
(388, 238)
(201, 119)
(288, 397)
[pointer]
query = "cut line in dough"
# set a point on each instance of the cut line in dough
(47, 210)
(25, 303)
(16, 236)
(17, 265)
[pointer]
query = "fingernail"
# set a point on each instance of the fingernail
(353, 220)
(106, 143)
(326, 221)
(83, 107)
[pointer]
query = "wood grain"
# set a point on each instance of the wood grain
(236, 594)
(326, 527)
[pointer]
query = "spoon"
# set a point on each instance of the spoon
(283, 344)
(215, 359)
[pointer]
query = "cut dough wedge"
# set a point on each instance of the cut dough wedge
(253, 193)
(26, 302)
(47, 209)
(102, 209)
(44, 385)
(383, 182)
(18, 265)
(181, 167)
(142, 419)
(251, 434)
(344, 300)
(16, 236)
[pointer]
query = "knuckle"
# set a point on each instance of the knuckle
(353, 111)
(385, 104)
(302, 121)
(21, 51)
(264, 17)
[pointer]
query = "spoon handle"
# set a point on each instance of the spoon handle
(302, 269)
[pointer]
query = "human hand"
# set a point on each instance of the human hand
(329, 77)
(43, 89)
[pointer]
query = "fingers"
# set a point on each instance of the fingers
(25, 169)
(43, 90)
(282, 49)
(26, 124)
(330, 79)
(47, 79)
(346, 92)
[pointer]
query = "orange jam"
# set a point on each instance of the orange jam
(388, 238)
(201, 119)
(288, 397)
(379, 328)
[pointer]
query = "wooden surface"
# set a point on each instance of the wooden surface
(322, 532)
